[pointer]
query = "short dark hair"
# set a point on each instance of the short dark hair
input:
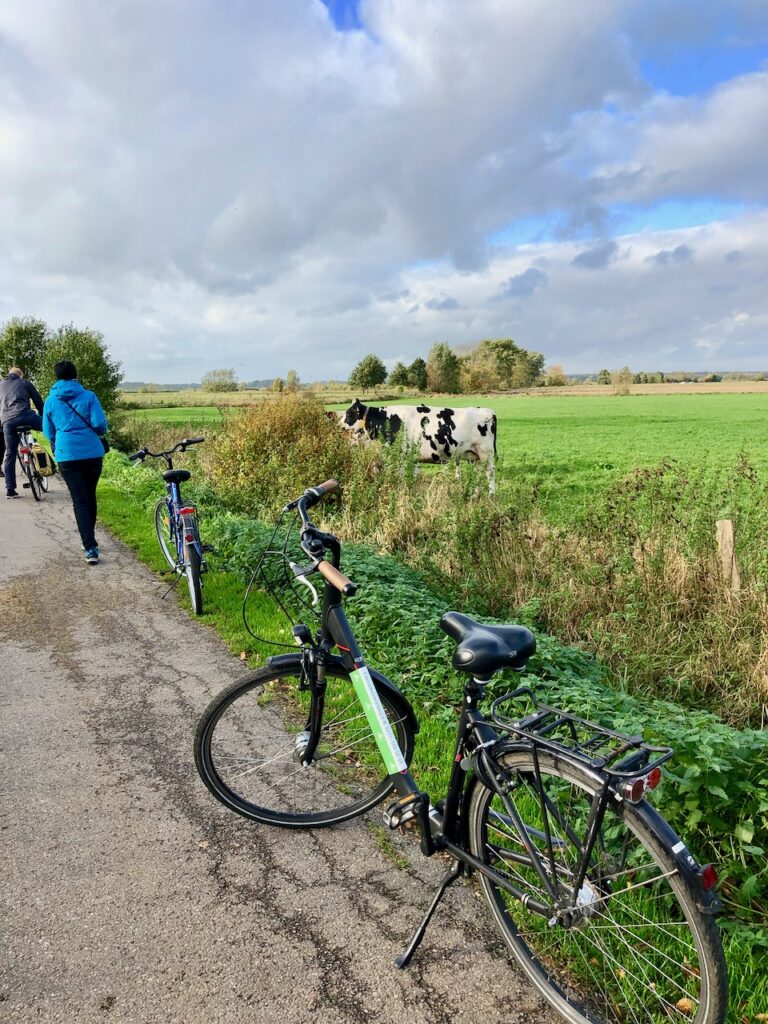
(65, 370)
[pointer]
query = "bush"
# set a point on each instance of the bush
(272, 451)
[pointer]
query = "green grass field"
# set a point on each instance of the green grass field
(571, 446)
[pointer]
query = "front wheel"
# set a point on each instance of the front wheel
(192, 572)
(636, 946)
(250, 741)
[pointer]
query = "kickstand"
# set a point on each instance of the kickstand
(172, 586)
(456, 869)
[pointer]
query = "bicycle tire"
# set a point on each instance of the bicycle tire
(194, 583)
(247, 749)
(163, 531)
(642, 941)
(32, 480)
(44, 482)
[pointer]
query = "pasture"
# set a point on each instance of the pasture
(570, 447)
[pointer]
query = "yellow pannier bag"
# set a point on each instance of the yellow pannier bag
(43, 461)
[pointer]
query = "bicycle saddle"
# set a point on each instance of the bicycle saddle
(482, 649)
(176, 476)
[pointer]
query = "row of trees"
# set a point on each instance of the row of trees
(225, 380)
(495, 364)
(28, 343)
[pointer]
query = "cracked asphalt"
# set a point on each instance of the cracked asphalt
(128, 893)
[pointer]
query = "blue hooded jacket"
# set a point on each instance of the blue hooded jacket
(70, 437)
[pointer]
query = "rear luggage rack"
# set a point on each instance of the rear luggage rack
(601, 749)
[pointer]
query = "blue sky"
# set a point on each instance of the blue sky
(292, 185)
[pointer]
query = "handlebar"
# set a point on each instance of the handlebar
(143, 453)
(315, 543)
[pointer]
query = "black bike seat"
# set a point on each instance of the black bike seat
(176, 476)
(484, 649)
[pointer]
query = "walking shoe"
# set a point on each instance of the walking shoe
(92, 556)
(11, 494)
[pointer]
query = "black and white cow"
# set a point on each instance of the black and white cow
(439, 434)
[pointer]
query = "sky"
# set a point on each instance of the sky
(292, 184)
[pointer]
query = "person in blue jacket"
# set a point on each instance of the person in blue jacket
(73, 421)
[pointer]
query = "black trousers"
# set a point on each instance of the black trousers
(81, 477)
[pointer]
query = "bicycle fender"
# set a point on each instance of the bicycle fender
(690, 869)
(286, 661)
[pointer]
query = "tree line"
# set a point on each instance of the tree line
(494, 364)
(28, 343)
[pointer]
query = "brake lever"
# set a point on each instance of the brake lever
(301, 577)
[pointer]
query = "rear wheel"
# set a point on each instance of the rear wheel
(250, 741)
(44, 482)
(164, 530)
(637, 947)
(32, 477)
(192, 571)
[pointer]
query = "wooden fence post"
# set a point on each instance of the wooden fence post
(726, 548)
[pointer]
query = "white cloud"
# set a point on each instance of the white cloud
(244, 185)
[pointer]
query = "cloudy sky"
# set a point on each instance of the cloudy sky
(275, 184)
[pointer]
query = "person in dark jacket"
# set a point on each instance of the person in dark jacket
(15, 396)
(73, 421)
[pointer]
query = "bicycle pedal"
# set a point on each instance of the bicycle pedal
(402, 811)
(25, 485)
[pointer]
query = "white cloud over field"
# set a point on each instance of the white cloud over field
(242, 184)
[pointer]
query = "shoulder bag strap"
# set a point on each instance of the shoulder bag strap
(85, 421)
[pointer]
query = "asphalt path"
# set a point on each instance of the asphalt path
(128, 893)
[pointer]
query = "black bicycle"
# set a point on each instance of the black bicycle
(176, 523)
(600, 902)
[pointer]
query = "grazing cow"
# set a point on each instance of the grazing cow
(440, 434)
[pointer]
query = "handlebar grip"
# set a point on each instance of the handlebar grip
(193, 440)
(328, 487)
(335, 578)
(314, 494)
(136, 455)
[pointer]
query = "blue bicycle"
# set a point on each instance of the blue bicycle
(176, 523)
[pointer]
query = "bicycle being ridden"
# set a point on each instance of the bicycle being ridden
(35, 463)
(176, 523)
(600, 902)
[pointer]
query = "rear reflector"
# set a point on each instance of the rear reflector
(635, 789)
(186, 511)
(709, 877)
